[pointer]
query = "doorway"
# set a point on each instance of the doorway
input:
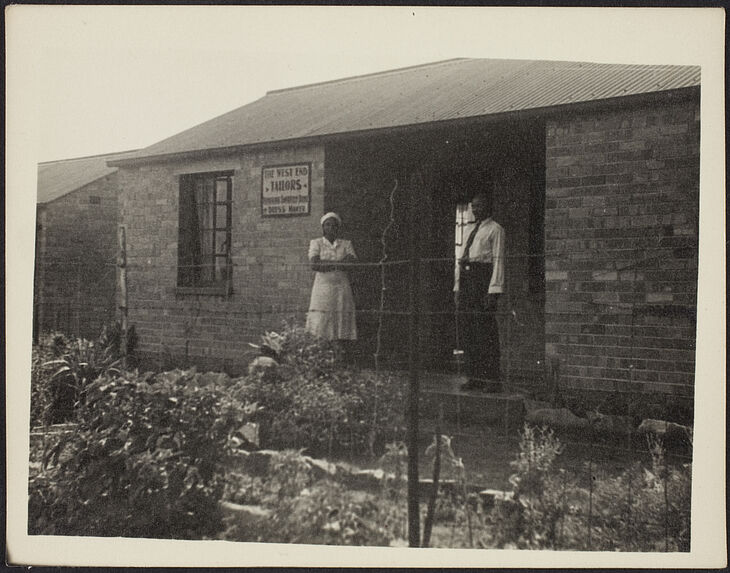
(368, 179)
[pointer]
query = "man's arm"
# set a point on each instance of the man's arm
(457, 271)
(496, 284)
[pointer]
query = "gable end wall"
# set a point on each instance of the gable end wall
(74, 286)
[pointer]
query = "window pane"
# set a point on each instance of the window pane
(205, 216)
(221, 268)
(206, 243)
(200, 192)
(204, 190)
(221, 216)
(207, 272)
(221, 190)
(221, 243)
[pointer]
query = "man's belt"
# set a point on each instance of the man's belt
(473, 265)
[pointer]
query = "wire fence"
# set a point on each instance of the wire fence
(641, 305)
(650, 339)
(632, 313)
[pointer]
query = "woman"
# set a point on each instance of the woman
(331, 309)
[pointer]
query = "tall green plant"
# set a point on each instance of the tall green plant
(110, 340)
(531, 519)
(45, 397)
(62, 367)
(146, 460)
(538, 449)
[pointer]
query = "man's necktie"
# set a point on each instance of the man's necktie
(470, 240)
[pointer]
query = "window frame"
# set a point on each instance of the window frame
(188, 219)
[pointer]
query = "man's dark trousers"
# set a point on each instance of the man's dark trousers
(478, 330)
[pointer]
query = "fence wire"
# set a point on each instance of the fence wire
(162, 311)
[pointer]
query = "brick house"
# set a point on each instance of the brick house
(595, 174)
(76, 246)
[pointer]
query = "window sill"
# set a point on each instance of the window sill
(204, 291)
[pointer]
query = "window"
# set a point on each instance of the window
(204, 243)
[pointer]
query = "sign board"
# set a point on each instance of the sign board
(286, 189)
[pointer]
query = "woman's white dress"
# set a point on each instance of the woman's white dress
(331, 308)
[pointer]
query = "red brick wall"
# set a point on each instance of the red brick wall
(271, 276)
(75, 260)
(622, 196)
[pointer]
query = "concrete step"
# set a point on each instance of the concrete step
(441, 396)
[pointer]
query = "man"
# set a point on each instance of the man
(478, 284)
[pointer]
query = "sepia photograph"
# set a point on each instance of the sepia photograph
(365, 286)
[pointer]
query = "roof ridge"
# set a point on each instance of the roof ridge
(370, 75)
(452, 61)
(89, 156)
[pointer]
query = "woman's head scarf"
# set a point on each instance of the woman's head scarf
(330, 215)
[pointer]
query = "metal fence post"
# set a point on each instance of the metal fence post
(122, 264)
(414, 533)
(665, 471)
(78, 300)
(590, 490)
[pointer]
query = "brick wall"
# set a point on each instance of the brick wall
(75, 260)
(271, 278)
(621, 218)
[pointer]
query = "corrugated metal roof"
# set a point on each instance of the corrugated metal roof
(440, 91)
(58, 178)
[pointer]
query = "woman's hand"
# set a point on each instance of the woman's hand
(326, 267)
(320, 267)
(344, 263)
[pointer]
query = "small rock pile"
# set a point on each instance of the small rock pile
(544, 414)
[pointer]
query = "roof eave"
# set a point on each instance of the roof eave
(67, 193)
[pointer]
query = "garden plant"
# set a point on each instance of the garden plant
(310, 399)
(147, 458)
(159, 455)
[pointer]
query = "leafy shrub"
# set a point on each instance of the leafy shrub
(61, 369)
(538, 449)
(644, 509)
(305, 510)
(641, 509)
(307, 353)
(312, 400)
(374, 408)
(530, 519)
(146, 459)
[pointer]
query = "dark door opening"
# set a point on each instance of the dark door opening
(436, 171)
